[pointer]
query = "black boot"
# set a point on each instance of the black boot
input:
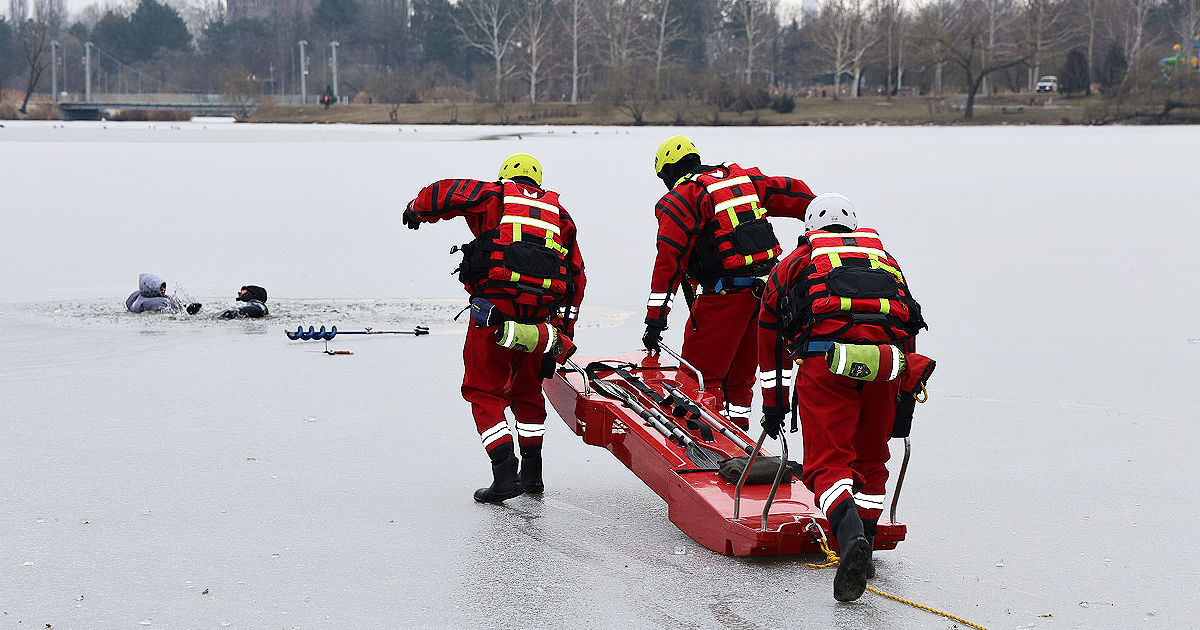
(531, 469)
(870, 529)
(851, 578)
(504, 477)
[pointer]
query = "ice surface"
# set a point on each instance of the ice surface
(175, 472)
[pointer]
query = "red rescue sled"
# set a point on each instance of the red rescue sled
(700, 503)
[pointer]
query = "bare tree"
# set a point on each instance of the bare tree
(1000, 16)
(487, 26)
(1091, 11)
(1044, 33)
(867, 35)
(574, 10)
(34, 36)
(620, 29)
(956, 31)
(842, 36)
(18, 11)
(1186, 20)
(668, 29)
(889, 17)
(52, 13)
(756, 24)
(1132, 16)
(632, 90)
(533, 31)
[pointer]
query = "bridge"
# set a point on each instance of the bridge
(72, 107)
(94, 106)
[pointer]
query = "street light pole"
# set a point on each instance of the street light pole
(303, 74)
(87, 72)
(334, 45)
(54, 71)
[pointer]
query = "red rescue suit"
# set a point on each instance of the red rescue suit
(712, 232)
(836, 287)
(526, 261)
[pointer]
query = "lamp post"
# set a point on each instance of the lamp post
(54, 71)
(303, 74)
(334, 46)
(87, 72)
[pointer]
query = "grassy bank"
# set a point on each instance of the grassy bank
(1011, 110)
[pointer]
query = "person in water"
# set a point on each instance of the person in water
(255, 298)
(151, 297)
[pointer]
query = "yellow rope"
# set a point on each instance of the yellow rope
(832, 560)
(926, 608)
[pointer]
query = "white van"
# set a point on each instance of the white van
(1048, 83)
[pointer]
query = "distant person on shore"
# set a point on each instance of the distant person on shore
(255, 298)
(151, 297)
(524, 272)
(328, 98)
(714, 239)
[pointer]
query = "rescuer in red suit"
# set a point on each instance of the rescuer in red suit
(838, 287)
(713, 234)
(523, 266)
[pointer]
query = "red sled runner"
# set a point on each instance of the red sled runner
(652, 418)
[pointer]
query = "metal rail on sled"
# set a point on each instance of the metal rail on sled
(712, 511)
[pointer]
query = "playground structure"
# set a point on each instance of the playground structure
(1180, 63)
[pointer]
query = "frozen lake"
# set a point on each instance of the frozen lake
(174, 472)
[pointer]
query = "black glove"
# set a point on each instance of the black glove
(652, 338)
(229, 314)
(772, 424)
(548, 366)
(409, 220)
(193, 308)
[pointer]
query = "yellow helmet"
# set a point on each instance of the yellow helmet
(674, 149)
(522, 165)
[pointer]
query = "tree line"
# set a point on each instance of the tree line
(639, 55)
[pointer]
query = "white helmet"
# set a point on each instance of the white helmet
(830, 209)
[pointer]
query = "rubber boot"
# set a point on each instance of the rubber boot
(870, 529)
(531, 469)
(851, 578)
(504, 477)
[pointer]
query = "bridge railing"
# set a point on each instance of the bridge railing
(155, 97)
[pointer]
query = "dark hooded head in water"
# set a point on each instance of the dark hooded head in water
(252, 292)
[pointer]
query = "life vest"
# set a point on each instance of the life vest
(737, 241)
(852, 290)
(523, 258)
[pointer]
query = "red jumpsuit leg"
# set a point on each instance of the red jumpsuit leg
(871, 445)
(829, 408)
(720, 341)
(846, 425)
(488, 369)
(528, 403)
(739, 381)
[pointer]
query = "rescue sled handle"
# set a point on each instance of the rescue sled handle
(900, 479)
(574, 367)
(684, 362)
(737, 490)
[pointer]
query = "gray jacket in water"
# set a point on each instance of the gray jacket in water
(149, 297)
